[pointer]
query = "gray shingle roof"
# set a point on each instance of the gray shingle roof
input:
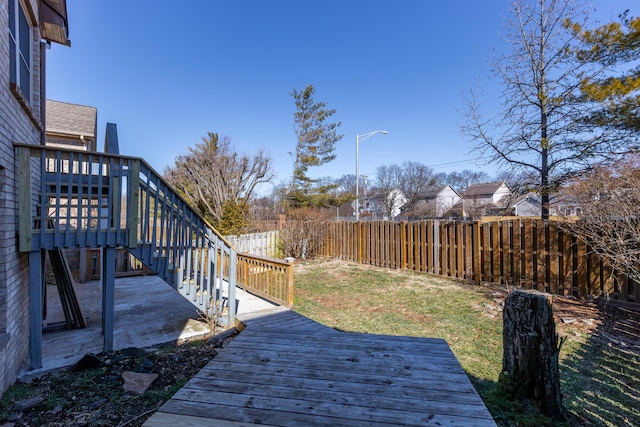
(431, 192)
(71, 119)
(485, 189)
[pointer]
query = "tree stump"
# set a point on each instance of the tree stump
(531, 350)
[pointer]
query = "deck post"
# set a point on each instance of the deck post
(133, 196)
(290, 284)
(233, 264)
(36, 307)
(25, 223)
(108, 273)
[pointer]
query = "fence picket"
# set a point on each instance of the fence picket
(511, 251)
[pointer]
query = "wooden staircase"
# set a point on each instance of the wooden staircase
(73, 199)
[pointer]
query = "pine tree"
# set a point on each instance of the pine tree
(616, 46)
(316, 140)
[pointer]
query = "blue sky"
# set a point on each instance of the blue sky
(169, 72)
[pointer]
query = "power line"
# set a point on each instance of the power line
(456, 163)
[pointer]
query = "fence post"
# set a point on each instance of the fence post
(436, 247)
(359, 244)
(475, 250)
(404, 245)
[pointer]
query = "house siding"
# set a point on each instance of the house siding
(446, 199)
(16, 125)
(500, 193)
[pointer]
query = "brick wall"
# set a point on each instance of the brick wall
(16, 125)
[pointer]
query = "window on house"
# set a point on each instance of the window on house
(20, 35)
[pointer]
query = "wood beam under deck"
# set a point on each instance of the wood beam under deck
(108, 275)
(36, 307)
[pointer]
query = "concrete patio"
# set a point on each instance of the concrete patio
(147, 312)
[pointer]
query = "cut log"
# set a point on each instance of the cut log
(531, 349)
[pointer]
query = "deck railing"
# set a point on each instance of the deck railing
(70, 198)
(268, 278)
(75, 199)
(177, 243)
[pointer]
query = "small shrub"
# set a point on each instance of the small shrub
(305, 232)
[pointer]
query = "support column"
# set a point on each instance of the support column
(108, 274)
(233, 265)
(36, 307)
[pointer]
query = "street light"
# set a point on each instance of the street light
(359, 139)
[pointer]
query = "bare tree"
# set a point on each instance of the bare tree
(264, 208)
(539, 128)
(609, 222)
(459, 181)
(347, 183)
(213, 176)
(416, 179)
(387, 181)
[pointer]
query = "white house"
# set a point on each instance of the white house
(396, 200)
(434, 202)
(527, 205)
(386, 205)
(482, 199)
(486, 193)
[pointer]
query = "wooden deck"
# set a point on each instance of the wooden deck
(287, 370)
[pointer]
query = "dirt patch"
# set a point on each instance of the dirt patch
(91, 393)
(613, 322)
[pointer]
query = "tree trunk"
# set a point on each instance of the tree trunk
(531, 350)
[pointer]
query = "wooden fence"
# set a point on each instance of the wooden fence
(507, 251)
(264, 244)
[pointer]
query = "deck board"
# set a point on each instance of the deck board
(287, 370)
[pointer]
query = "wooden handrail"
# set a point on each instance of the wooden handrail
(268, 278)
(93, 199)
(50, 153)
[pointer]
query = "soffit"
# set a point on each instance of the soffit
(54, 25)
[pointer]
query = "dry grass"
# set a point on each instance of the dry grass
(599, 377)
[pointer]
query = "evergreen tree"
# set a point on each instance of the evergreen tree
(316, 140)
(615, 46)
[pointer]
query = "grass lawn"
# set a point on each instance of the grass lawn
(359, 298)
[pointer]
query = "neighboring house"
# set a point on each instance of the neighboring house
(386, 206)
(527, 205)
(434, 202)
(486, 193)
(395, 201)
(71, 126)
(26, 27)
(530, 205)
(565, 205)
(482, 199)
